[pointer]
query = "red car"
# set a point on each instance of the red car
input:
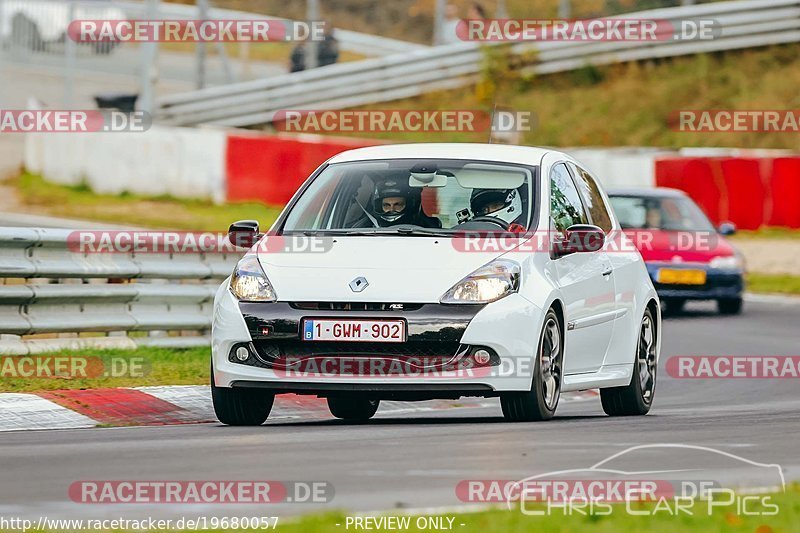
(686, 256)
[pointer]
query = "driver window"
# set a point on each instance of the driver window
(566, 208)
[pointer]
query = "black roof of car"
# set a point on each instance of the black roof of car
(658, 192)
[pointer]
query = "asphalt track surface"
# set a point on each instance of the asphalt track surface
(416, 460)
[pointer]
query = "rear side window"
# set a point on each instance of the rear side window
(566, 208)
(590, 191)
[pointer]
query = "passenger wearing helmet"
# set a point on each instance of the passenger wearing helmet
(503, 204)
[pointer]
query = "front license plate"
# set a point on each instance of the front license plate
(681, 277)
(354, 330)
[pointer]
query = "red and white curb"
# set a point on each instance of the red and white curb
(186, 404)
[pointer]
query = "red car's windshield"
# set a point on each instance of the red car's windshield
(667, 214)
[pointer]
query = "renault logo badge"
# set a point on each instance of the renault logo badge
(359, 284)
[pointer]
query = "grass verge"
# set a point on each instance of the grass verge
(46, 198)
(773, 283)
(767, 234)
(93, 369)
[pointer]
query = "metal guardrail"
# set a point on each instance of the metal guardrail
(744, 24)
(46, 288)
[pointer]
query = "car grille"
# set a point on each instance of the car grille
(355, 306)
(425, 354)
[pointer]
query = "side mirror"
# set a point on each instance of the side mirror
(580, 238)
(243, 233)
(727, 228)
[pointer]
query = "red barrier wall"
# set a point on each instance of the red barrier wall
(784, 189)
(700, 178)
(746, 192)
(750, 192)
(270, 168)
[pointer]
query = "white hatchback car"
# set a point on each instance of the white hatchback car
(415, 272)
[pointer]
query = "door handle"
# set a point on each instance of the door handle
(608, 271)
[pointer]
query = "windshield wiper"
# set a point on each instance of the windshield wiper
(404, 229)
(407, 229)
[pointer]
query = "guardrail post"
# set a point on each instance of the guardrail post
(312, 14)
(3, 43)
(149, 67)
(201, 47)
(69, 62)
(438, 21)
(564, 9)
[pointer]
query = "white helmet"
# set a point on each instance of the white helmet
(504, 204)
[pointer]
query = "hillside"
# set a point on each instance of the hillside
(631, 104)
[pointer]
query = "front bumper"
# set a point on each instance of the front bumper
(720, 284)
(508, 329)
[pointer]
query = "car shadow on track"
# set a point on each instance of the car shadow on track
(432, 420)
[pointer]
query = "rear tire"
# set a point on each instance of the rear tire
(241, 407)
(730, 306)
(353, 408)
(541, 401)
(636, 398)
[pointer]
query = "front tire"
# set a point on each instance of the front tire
(241, 407)
(353, 409)
(541, 401)
(636, 398)
(730, 306)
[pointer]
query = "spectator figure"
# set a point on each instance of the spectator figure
(449, 33)
(327, 52)
(328, 49)
(298, 58)
(476, 11)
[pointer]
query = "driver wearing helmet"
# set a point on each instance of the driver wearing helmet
(396, 203)
(502, 204)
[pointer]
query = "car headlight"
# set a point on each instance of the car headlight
(487, 284)
(731, 262)
(249, 283)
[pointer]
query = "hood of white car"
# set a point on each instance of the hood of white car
(397, 269)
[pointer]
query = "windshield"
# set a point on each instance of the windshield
(668, 214)
(410, 195)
